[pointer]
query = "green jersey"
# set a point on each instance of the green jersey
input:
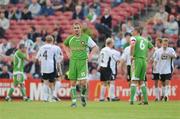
(142, 46)
(79, 46)
(18, 61)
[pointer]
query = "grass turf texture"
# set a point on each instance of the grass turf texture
(94, 110)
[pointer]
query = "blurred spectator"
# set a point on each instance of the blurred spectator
(12, 50)
(104, 28)
(94, 74)
(168, 5)
(5, 74)
(43, 33)
(91, 15)
(177, 60)
(178, 42)
(172, 26)
(117, 40)
(178, 7)
(123, 29)
(146, 35)
(129, 26)
(34, 8)
(126, 40)
(4, 46)
(28, 43)
(14, 13)
(14, 1)
(57, 34)
(33, 34)
(86, 8)
(69, 5)
(33, 67)
(162, 14)
(96, 5)
(78, 13)
(47, 10)
(4, 24)
(38, 43)
(86, 29)
(106, 19)
(173, 11)
(158, 26)
(26, 14)
(4, 2)
(58, 4)
(116, 2)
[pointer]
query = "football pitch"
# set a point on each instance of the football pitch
(94, 110)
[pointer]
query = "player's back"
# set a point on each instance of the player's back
(18, 61)
(141, 47)
(105, 57)
(46, 56)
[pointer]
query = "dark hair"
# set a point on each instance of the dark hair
(127, 34)
(21, 46)
(138, 29)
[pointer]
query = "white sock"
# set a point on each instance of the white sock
(56, 88)
(157, 93)
(163, 91)
(166, 90)
(102, 93)
(45, 92)
(112, 91)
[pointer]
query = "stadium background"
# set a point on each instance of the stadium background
(29, 21)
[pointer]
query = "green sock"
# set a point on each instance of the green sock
(10, 92)
(133, 91)
(83, 90)
(23, 91)
(144, 92)
(73, 94)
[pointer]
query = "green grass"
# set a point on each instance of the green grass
(94, 110)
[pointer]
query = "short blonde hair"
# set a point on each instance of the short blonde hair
(49, 39)
(109, 41)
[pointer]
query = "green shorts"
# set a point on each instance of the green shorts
(139, 69)
(78, 69)
(18, 78)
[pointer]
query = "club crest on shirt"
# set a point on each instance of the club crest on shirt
(82, 43)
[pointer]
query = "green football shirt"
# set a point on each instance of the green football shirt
(142, 45)
(79, 46)
(18, 61)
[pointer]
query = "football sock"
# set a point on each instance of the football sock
(83, 90)
(144, 92)
(102, 93)
(163, 91)
(45, 92)
(133, 91)
(166, 90)
(157, 93)
(56, 88)
(23, 91)
(73, 94)
(112, 91)
(10, 92)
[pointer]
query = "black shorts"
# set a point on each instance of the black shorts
(128, 73)
(51, 77)
(105, 74)
(164, 77)
(155, 76)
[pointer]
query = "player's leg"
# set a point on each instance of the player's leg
(45, 90)
(15, 84)
(82, 74)
(135, 68)
(163, 85)
(168, 78)
(73, 79)
(56, 88)
(112, 96)
(142, 82)
(105, 76)
(129, 75)
(156, 78)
